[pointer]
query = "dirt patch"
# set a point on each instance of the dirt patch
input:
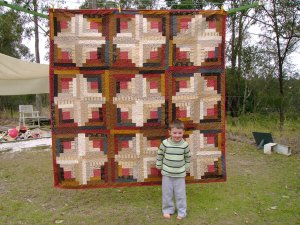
(239, 138)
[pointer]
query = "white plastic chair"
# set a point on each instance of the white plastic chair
(26, 113)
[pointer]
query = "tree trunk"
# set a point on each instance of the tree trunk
(281, 107)
(233, 110)
(239, 46)
(247, 93)
(233, 54)
(93, 4)
(38, 97)
(280, 69)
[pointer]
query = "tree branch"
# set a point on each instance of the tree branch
(39, 26)
(265, 36)
(260, 21)
(270, 16)
(288, 45)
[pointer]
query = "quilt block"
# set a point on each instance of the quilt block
(117, 79)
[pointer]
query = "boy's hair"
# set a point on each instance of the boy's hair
(176, 124)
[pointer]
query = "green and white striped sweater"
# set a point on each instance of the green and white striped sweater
(173, 158)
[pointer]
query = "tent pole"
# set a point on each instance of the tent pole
(19, 8)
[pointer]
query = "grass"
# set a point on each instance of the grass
(261, 189)
(261, 122)
(244, 125)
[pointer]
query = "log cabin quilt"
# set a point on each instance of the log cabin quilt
(118, 78)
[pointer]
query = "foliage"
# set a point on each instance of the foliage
(260, 77)
(280, 21)
(148, 4)
(263, 122)
(132, 4)
(16, 26)
(194, 4)
(42, 24)
(12, 32)
(261, 85)
(238, 26)
(9, 105)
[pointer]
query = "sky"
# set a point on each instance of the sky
(74, 4)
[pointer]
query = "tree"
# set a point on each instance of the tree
(258, 80)
(238, 25)
(36, 6)
(280, 23)
(194, 4)
(38, 97)
(12, 32)
(236, 79)
(137, 4)
(15, 26)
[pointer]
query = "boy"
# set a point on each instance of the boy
(173, 159)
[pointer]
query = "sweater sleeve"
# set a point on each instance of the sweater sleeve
(160, 156)
(187, 158)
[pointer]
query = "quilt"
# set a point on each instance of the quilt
(118, 78)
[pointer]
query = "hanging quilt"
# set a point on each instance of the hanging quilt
(118, 78)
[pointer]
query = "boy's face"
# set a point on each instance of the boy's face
(176, 134)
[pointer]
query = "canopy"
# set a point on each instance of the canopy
(18, 77)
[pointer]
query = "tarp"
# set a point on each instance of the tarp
(19, 77)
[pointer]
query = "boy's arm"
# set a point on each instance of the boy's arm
(160, 156)
(187, 157)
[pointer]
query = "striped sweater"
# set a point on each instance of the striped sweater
(173, 158)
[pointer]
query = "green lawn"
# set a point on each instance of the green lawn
(261, 189)
(244, 125)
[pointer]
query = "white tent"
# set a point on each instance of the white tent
(18, 77)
